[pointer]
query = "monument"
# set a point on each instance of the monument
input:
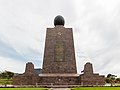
(59, 63)
(59, 54)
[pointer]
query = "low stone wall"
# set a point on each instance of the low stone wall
(34, 79)
(25, 80)
(93, 79)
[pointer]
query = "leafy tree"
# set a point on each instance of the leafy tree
(6, 74)
(9, 74)
(111, 79)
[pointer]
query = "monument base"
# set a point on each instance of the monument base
(88, 78)
(59, 79)
(47, 79)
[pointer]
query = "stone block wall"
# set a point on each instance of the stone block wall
(89, 78)
(92, 80)
(25, 80)
(28, 77)
(59, 54)
(59, 80)
(29, 70)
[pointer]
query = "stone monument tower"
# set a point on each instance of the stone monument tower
(59, 63)
(59, 54)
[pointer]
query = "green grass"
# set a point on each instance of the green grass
(23, 89)
(97, 88)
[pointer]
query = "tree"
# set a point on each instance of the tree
(9, 74)
(111, 79)
(6, 76)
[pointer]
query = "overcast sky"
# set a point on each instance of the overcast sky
(95, 23)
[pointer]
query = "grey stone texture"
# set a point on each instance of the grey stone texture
(25, 80)
(59, 54)
(59, 80)
(90, 78)
(29, 70)
(59, 63)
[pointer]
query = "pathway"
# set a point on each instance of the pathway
(59, 89)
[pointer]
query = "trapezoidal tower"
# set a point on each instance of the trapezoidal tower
(59, 53)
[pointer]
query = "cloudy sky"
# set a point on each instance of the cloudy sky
(95, 23)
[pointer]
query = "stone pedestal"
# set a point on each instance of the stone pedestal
(59, 79)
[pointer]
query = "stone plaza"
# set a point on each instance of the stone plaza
(59, 62)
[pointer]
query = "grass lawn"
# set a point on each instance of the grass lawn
(97, 88)
(23, 89)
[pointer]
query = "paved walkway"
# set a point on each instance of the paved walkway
(59, 89)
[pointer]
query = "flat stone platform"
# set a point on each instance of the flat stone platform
(58, 74)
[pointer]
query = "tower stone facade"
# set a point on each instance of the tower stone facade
(59, 54)
(59, 64)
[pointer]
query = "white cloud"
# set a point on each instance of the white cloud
(11, 65)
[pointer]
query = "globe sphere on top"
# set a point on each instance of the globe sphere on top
(59, 20)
